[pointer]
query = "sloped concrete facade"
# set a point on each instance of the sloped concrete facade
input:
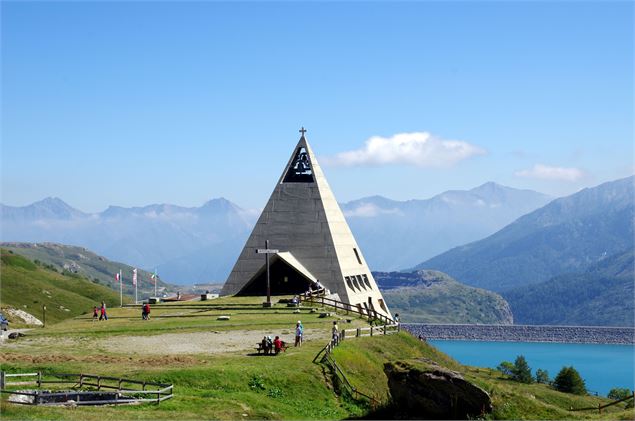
(303, 218)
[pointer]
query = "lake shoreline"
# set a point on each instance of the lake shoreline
(524, 333)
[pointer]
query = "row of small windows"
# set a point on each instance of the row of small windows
(358, 282)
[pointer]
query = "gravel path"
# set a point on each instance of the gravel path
(212, 342)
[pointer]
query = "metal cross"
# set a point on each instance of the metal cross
(302, 130)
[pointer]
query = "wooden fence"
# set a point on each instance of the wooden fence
(327, 357)
(600, 407)
(369, 313)
(127, 390)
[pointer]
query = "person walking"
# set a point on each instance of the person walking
(299, 332)
(95, 315)
(103, 315)
(336, 332)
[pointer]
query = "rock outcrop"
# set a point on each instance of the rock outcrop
(421, 389)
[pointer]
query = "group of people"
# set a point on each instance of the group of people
(272, 346)
(100, 312)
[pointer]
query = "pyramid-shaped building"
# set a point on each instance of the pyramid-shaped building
(303, 221)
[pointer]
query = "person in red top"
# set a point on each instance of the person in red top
(277, 344)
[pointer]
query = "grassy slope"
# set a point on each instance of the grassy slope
(437, 298)
(217, 386)
(362, 360)
(25, 286)
(89, 265)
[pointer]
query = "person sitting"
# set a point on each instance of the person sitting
(264, 346)
(269, 345)
(277, 345)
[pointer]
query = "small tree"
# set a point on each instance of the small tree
(618, 393)
(506, 367)
(568, 380)
(521, 371)
(542, 376)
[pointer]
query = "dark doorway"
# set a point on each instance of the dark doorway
(284, 278)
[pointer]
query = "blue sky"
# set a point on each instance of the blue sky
(131, 103)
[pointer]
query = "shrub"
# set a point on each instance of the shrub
(506, 368)
(542, 376)
(521, 371)
(568, 380)
(618, 393)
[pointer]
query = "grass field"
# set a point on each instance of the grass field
(227, 380)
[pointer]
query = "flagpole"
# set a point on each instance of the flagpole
(120, 288)
(136, 297)
(155, 282)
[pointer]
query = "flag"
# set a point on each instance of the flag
(134, 276)
(117, 277)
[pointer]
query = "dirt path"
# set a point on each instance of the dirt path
(212, 342)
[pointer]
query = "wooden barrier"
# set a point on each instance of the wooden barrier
(162, 391)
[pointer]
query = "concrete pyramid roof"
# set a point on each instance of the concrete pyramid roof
(303, 218)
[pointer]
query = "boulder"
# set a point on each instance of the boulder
(423, 390)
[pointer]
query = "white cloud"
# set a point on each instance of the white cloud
(545, 172)
(420, 148)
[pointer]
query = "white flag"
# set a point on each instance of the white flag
(134, 276)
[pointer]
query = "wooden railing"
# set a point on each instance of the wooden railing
(600, 407)
(124, 387)
(328, 358)
(370, 313)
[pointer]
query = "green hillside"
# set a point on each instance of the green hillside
(227, 380)
(600, 296)
(28, 286)
(84, 262)
(428, 296)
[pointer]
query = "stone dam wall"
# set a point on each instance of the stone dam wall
(524, 333)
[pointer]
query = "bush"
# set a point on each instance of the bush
(542, 376)
(618, 393)
(568, 380)
(506, 368)
(522, 372)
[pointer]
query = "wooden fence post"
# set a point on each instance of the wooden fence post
(2, 380)
(39, 379)
(371, 331)
(358, 332)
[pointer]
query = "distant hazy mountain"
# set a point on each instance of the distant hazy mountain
(395, 235)
(201, 244)
(566, 236)
(428, 296)
(600, 296)
(186, 245)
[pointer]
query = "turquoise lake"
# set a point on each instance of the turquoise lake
(602, 367)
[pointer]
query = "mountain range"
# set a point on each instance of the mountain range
(182, 243)
(398, 234)
(600, 296)
(568, 235)
(200, 244)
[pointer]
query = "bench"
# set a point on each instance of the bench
(259, 348)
